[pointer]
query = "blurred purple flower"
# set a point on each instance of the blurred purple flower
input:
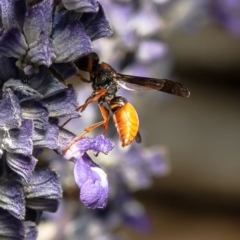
(138, 23)
(227, 13)
(135, 166)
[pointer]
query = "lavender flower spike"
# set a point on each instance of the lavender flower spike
(39, 42)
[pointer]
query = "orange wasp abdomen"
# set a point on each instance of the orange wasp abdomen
(127, 123)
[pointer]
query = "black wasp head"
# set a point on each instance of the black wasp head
(105, 75)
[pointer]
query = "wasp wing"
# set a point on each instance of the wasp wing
(135, 83)
(132, 86)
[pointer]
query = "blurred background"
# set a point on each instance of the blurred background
(196, 43)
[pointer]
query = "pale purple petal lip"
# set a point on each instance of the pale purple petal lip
(92, 181)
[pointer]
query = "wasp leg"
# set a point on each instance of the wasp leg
(105, 114)
(96, 95)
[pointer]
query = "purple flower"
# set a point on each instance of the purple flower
(41, 38)
(97, 144)
(90, 178)
(227, 13)
(92, 181)
(136, 166)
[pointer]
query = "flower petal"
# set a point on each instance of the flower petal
(43, 190)
(12, 13)
(157, 161)
(60, 21)
(92, 181)
(43, 204)
(42, 51)
(30, 230)
(71, 43)
(11, 228)
(13, 44)
(12, 198)
(135, 215)
(46, 138)
(8, 68)
(37, 112)
(98, 144)
(96, 24)
(33, 215)
(10, 111)
(38, 19)
(45, 83)
(64, 138)
(134, 169)
(81, 5)
(21, 90)
(146, 22)
(63, 104)
(44, 183)
(66, 70)
(22, 165)
(20, 140)
(151, 50)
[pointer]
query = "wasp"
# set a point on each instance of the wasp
(105, 84)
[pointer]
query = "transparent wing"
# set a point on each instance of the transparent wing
(132, 87)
